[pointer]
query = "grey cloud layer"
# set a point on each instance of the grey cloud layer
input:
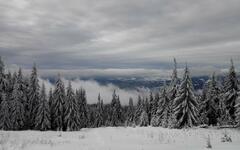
(93, 89)
(61, 34)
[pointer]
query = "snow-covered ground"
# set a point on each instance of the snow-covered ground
(120, 138)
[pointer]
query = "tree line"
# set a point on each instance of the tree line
(24, 104)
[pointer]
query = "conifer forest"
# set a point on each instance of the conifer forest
(26, 105)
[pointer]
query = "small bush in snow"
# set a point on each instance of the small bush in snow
(209, 145)
(226, 137)
(81, 137)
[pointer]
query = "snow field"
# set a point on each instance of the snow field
(120, 138)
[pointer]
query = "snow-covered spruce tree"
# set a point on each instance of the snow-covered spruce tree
(14, 79)
(5, 123)
(130, 113)
(185, 104)
(225, 118)
(91, 116)
(50, 103)
(113, 115)
(139, 110)
(154, 109)
(155, 103)
(71, 118)
(3, 81)
(237, 112)
(107, 114)
(99, 114)
(83, 108)
(147, 108)
(211, 103)
(33, 98)
(102, 112)
(230, 91)
(26, 91)
(1, 66)
(116, 110)
(119, 110)
(9, 87)
(172, 121)
(22, 89)
(42, 119)
(172, 89)
(171, 93)
(16, 108)
(162, 110)
(58, 105)
(151, 103)
(144, 119)
(2, 75)
(202, 105)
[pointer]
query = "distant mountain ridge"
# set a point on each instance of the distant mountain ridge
(138, 82)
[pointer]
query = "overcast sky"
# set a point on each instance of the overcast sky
(126, 34)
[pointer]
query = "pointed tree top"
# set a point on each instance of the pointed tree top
(20, 73)
(186, 68)
(232, 69)
(232, 64)
(99, 96)
(175, 61)
(186, 72)
(34, 69)
(1, 65)
(114, 93)
(213, 74)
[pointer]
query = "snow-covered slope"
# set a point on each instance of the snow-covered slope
(120, 138)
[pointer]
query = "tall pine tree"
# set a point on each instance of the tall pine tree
(17, 108)
(172, 89)
(230, 90)
(171, 92)
(115, 110)
(211, 103)
(99, 114)
(58, 105)
(5, 123)
(3, 81)
(83, 108)
(33, 100)
(42, 120)
(71, 118)
(154, 108)
(50, 103)
(139, 110)
(185, 103)
(130, 113)
(162, 109)
(151, 105)
(237, 113)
